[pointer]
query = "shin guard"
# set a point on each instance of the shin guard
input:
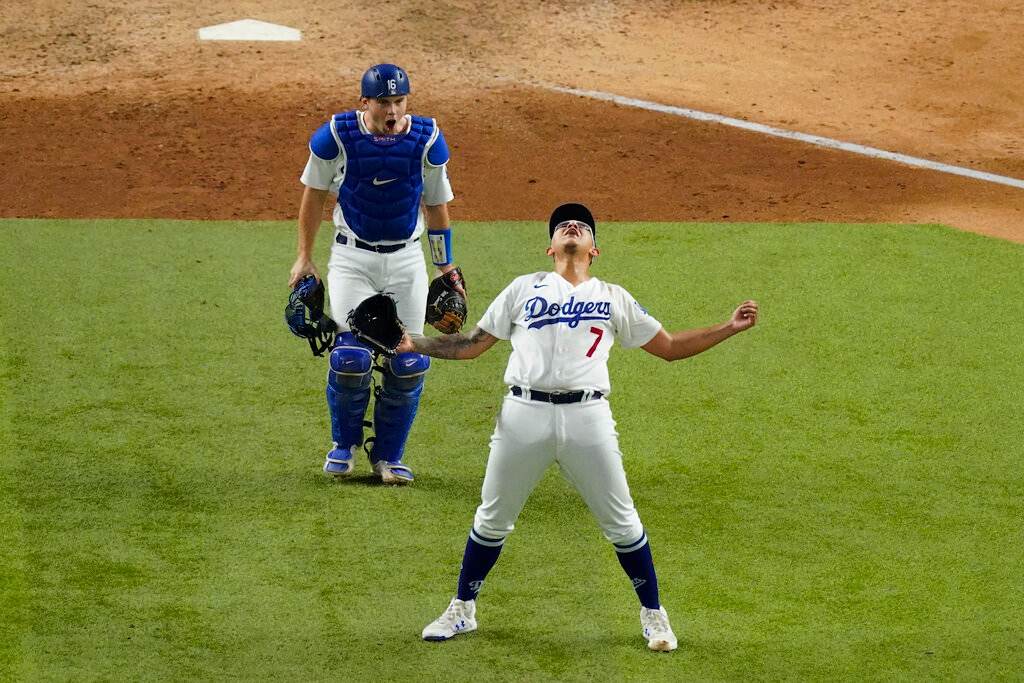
(396, 405)
(348, 390)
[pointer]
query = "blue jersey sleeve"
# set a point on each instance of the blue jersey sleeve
(437, 155)
(322, 143)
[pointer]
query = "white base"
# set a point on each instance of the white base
(249, 29)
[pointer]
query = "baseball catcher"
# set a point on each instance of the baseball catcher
(305, 315)
(446, 306)
(375, 322)
(385, 171)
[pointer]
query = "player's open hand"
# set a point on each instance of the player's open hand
(301, 269)
(744, 317)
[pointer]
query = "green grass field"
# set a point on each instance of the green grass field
(836, 494)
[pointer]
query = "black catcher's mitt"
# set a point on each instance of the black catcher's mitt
(446, 307)
(305, 316)
(375, 322)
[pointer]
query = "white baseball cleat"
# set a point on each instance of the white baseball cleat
(657, 630)
(460, 617)
(393, 472)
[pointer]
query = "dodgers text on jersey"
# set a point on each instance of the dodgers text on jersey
(571, 312)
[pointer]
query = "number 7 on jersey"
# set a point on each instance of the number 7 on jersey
(600, 333)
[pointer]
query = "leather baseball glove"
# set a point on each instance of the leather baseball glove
(446, 307)
(305, 315)
(375, 322)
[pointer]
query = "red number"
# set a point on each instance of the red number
(600, 333)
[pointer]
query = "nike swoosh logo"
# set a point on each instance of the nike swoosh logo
(377, 181)
(539, 286)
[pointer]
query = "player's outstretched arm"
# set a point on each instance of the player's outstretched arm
(449, 346)
(686, 343)
(311, 211)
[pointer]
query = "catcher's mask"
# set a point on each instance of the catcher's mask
(305, 317)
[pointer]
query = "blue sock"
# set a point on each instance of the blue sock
(639, 566)
(481, 554)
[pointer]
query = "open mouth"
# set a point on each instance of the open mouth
(389, 125)
(572, 229)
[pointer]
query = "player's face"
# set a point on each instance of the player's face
(385, 113)
(572, 237)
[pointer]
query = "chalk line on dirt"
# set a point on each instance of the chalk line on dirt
(816, 140)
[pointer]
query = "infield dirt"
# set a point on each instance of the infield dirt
(115, 111)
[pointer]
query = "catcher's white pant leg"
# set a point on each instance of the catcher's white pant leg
(404, 273)
(522, 448)
(589, 457)
(354, 275)
(350, 278)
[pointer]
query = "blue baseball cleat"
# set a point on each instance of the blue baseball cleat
(339, 462)
(393, 472)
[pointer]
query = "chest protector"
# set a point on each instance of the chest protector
(380, 195)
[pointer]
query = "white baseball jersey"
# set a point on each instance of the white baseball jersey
(562, 334)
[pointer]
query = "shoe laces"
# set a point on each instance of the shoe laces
(657, 621)
(454, 613)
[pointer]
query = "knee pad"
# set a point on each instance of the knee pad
(405, 372)
(351, 362)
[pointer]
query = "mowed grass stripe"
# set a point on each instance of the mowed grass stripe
(834, 494)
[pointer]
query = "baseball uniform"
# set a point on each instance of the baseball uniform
(353, 274)
(561, 336)
(381, 181)
(556, 411)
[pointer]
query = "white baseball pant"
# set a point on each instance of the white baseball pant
(355, 274)
(581, 438)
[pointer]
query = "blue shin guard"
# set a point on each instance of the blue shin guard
(396, 405)
(348, 390)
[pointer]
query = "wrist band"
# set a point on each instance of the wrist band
(440, 246)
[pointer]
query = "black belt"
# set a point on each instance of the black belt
(379, 248)
(561, 397)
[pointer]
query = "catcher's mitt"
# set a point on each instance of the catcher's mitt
(446, 307)
(305, 316)
(375, 322)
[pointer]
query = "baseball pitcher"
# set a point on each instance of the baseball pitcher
(562, 325)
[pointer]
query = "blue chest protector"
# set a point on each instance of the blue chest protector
(380, 195)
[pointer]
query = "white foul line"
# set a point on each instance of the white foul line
(791, 135)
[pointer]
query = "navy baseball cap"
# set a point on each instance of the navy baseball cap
(384, 80)
(571, 212)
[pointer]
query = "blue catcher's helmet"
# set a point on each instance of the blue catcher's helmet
(385, 80)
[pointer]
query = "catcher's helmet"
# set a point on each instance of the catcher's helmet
(571, 212)
(385, 80)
